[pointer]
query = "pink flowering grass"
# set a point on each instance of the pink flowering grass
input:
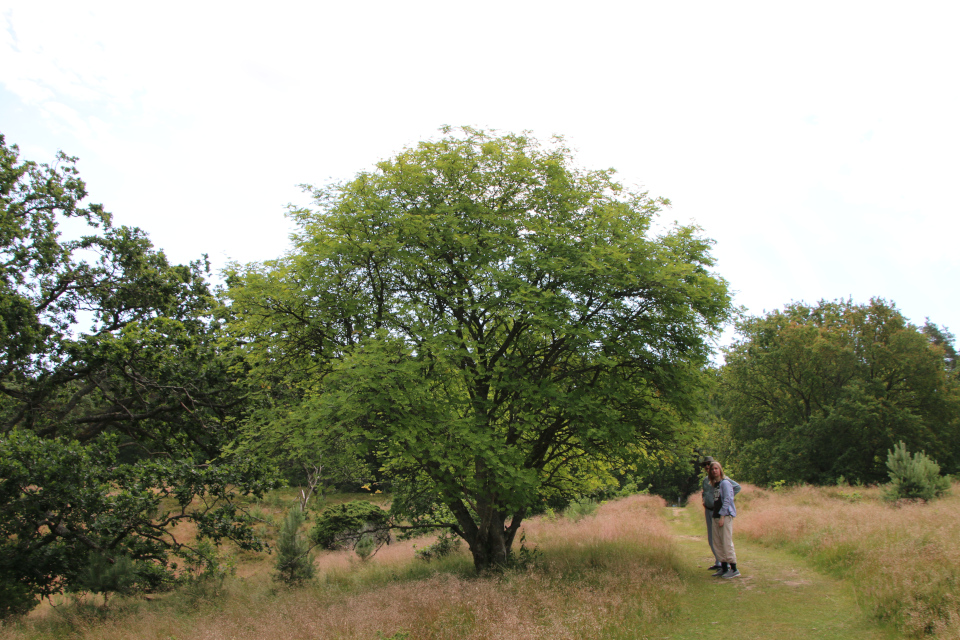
(904, 558)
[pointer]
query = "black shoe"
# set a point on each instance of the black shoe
(714, 567)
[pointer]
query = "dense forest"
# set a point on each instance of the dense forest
(476, 326)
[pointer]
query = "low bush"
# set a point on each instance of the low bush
(445, 544)
(580, 509)
(914, 477)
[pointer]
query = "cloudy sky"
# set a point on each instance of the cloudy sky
(818, 143)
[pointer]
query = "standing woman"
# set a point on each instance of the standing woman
(706, 495)
(724, 511)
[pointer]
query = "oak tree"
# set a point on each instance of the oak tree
(115, 398)
(817, 392)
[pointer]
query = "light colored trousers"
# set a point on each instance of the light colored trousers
(723, 539)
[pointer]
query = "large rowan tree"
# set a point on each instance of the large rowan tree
(490, 323)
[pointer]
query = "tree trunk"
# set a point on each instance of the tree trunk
(490, 547)
(483, 525)
(491, 540)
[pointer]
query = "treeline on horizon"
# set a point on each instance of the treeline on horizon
(477, 326)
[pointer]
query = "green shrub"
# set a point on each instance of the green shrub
(366, 546)
(914, 476)
(446, 544)
(349, 524)
(294, 561)
(106, 575)
(580, 509)
(15, 599)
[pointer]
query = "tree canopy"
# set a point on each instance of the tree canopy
(490, 324)
(818, 392)
(115, 399)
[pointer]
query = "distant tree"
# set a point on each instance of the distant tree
(115, 398)
(816, 392)
(491, 324)
(942, 338)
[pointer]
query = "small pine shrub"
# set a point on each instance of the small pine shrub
(366, 546)
(913, 477)
(108, 575)
(446, 544)
(15, 599)
(294, 561)
(580, 509)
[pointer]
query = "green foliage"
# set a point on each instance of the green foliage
(913, 477)
(525, 557)
(580, 509)
(942, 339)
(108, 575)
(815, 392)
(63, 503)
(115, 396)
(489, 326)
(357, 524)
(16, 598)
(445, 544)
(294, 561)
(673, 474)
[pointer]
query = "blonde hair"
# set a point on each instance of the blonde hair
(720, 466)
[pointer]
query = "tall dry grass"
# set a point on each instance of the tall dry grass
(903, 558)
(605, 576)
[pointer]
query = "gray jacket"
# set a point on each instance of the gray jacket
(707, 489)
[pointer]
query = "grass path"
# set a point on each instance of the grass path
(777, 597)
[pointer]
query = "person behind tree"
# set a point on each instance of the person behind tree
(708, 502)
(724, 512)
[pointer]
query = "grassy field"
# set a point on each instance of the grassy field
(777, 596)
(903, 559)
(822, 563)
(603, 576)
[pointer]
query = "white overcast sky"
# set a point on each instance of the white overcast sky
(817, 142)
